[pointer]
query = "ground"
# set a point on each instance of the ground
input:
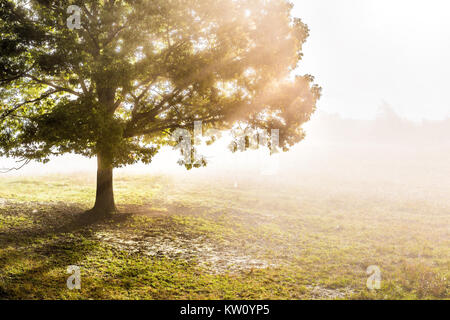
(215, 239)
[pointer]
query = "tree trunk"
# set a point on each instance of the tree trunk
(104, 200)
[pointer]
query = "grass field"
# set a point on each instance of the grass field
(211, 239)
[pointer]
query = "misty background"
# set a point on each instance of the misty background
(388, 156)
(383, 122)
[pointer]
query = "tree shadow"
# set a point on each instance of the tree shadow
(51, 240)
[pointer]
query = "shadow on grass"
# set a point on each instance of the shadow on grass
(35, 252)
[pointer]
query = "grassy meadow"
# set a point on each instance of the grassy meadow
(356, 92)
(179, 238)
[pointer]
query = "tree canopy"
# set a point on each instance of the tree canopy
(135, 71)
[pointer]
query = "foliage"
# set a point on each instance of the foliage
(137, 70)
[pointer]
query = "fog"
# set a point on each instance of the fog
(387, 156)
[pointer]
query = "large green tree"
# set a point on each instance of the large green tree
(119, 84)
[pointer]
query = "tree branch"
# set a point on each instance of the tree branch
(25, 162)
(174, 125)
(54, 86)
(17, 107)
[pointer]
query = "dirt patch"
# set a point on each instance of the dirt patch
(3, 202)
(321, 293)
(213, 258)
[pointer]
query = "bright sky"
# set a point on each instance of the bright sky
(364, 52)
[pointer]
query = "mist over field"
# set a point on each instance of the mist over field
(354, 194)
(388, 155)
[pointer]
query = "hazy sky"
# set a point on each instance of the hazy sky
(364, 52)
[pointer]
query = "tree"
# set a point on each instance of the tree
(133, 71)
